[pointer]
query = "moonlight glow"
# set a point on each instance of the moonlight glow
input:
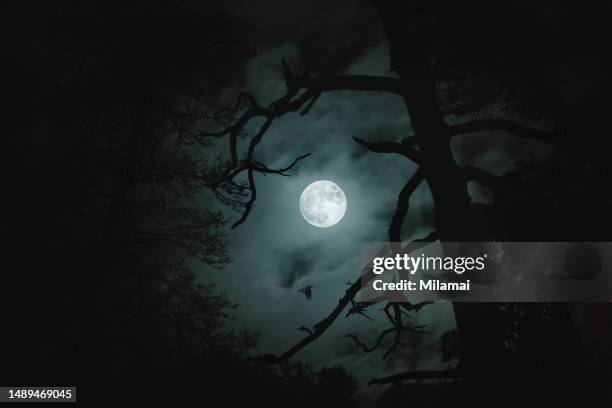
(323, 204)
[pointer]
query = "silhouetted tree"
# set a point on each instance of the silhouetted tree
(122, 181)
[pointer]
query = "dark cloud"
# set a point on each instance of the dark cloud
(295, 264)
(330, 35)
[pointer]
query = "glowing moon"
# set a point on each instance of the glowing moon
(323, 204)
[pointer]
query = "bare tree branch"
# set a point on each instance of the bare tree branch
(262, 168)
(417, 375)
(403, 203)
(252, 198)
(320, 328)
(305, 329)
(391, 147)
(276, 109)
(348, 82)
(398, 328)
(360, 308)
(481, 125)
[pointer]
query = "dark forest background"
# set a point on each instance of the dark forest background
(119, 128)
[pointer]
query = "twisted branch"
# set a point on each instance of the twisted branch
(480, 125)
(397, 327)
(417, 375)
(403, 149)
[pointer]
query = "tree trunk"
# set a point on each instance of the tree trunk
(478, 324)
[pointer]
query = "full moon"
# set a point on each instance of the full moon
(323, 204)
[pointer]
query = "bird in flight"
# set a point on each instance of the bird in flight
(307, 291)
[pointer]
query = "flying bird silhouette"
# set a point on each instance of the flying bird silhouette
(307, 291)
